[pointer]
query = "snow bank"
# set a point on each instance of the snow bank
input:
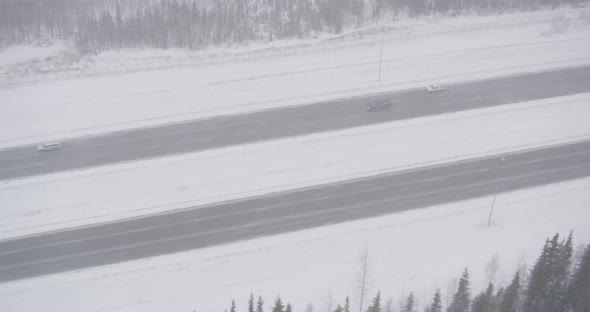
(414, 56)
(28, 53)
(418, 250)
(67, 199)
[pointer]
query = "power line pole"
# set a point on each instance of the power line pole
(381, 57)
(495, 190)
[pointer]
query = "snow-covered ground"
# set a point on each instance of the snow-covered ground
(53, 93)
(305, 266)
(109, 193)
(442, 50)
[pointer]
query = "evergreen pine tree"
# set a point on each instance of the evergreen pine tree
(578, 297)
(534, 299)
(484, 302)
(497, 299)
(251, 303)
(289, 308)
(233, 306)
(436, 305)
(376, 305)
(279, 306)
(410, 305)
(462, 298)
(563, 265)
(339, 309)
(549, 277)
(478, 304)
(260, 305)
(510, 301)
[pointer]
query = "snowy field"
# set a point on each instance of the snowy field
(444, 50)
(305, 266)
(67, 199)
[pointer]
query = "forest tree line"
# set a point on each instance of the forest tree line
(557, 282)
(96, 25)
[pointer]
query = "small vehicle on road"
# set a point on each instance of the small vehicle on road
(378, 105)
(435, 88)
(50, 146)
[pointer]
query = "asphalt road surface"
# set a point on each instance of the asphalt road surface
(285, 122)
(289, 211)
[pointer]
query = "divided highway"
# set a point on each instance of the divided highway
(289, 211)
(292, 121)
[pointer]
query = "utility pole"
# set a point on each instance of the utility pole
(495, 190)
(381, 57)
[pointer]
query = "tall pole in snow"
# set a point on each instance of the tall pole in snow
(381, 57)
(495, 192)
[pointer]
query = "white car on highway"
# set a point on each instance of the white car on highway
(435, 88)
(378, 105)
(45, 147)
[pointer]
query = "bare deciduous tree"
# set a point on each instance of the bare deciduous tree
(328, 300)
(364, 280)
(97, 25)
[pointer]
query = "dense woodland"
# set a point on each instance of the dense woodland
(558, 282)
(96, 25)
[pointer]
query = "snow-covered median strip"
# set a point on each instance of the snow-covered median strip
(76, 198)
(413, 57)
(418, 250)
